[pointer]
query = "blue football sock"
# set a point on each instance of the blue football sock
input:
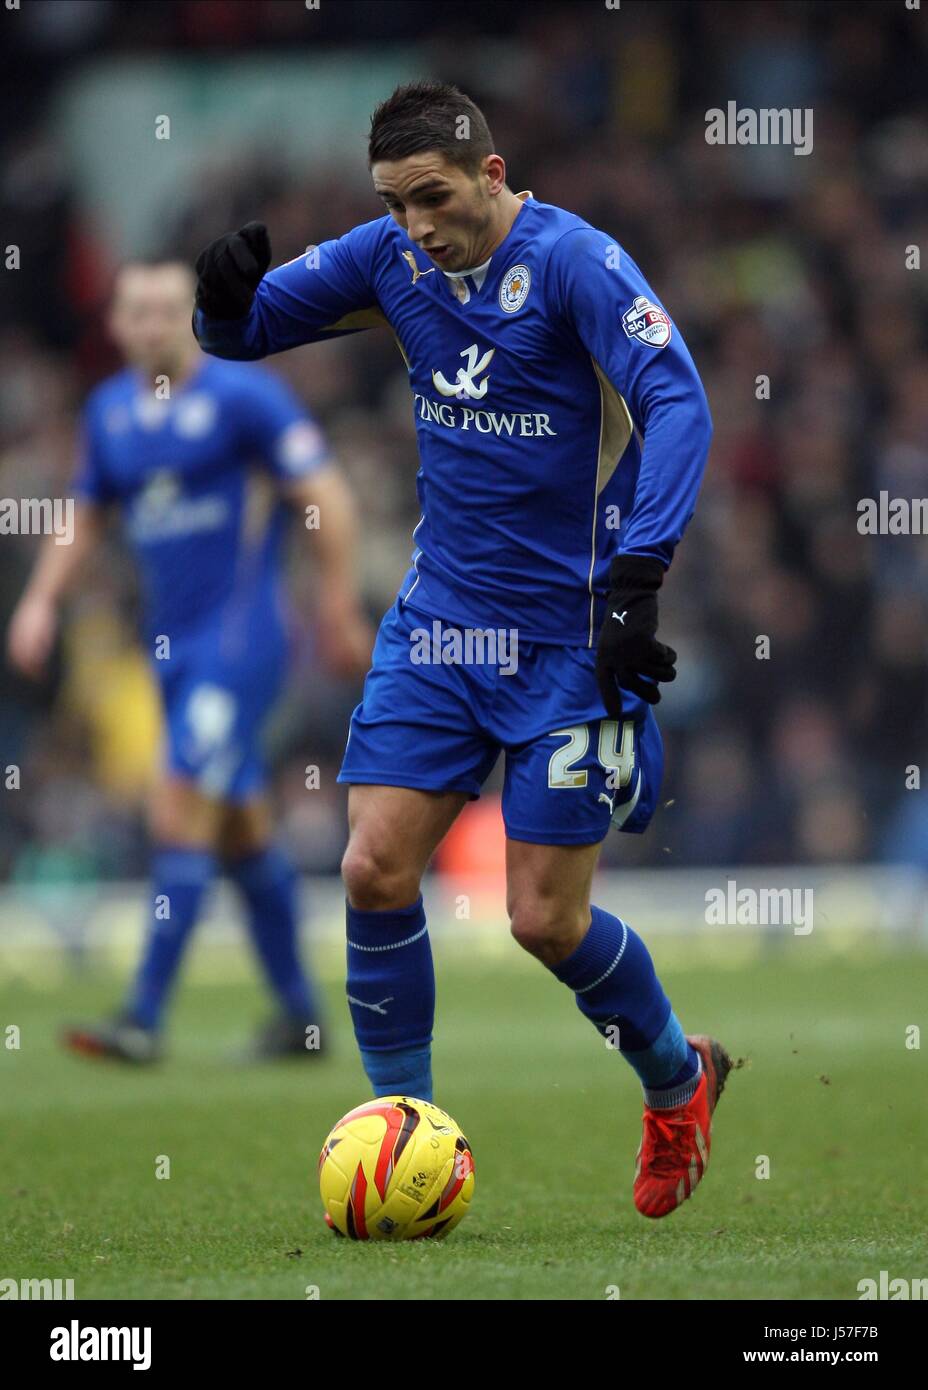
(683, 1083)
(391, 994)
(406, 1071)
(268, 883)
(617, 989)
(180, 877)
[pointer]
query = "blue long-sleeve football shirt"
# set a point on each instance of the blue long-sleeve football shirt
(531, 383)
(185, 474)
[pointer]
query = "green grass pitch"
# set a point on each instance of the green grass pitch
(830, 1094)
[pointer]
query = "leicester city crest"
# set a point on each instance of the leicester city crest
(513, 292)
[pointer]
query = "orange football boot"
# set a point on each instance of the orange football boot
(674, 1151)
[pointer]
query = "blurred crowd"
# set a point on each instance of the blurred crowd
(792, 280)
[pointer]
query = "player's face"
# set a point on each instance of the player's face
(150, 316)
(443, 209)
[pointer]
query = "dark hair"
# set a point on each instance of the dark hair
(427, 116)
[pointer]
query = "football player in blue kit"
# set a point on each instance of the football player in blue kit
(204, 460)
(563, 432)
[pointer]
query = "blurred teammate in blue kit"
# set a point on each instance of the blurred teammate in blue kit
(201, 459)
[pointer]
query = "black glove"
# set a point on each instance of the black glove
(628, 650)
(230, 269)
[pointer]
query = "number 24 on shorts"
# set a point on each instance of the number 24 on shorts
(617, 758)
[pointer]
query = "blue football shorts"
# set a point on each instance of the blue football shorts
(436, 713)
(218, 687)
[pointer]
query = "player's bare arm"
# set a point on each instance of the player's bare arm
(34, 624)
(327, 508)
